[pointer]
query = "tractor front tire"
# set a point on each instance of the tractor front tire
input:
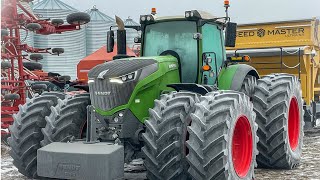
(26, 131)
(223, 141)
(279, 107)
(166, 134)
(67, 120)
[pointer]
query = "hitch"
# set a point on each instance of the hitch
(91, 126)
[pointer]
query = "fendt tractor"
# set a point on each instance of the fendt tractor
(187, 109)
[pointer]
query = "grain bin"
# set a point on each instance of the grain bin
(73, 42)
(131, 33)
(96, 29)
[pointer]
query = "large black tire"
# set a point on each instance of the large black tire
(11, 97)
(276, 97)
(67, 120)
(38, 87)
(166, 133)
(248, 85)
(33, 26)
(223, 141)
(32, 65)
(26, 131)
(78, 18)
(64, 78)
(57, 22)
(58, 51)
(36, 57)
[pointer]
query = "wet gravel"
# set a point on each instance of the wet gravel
(308, 169)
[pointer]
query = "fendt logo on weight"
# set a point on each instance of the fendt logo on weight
(261, 32)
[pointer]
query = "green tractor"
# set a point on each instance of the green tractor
(183, 106)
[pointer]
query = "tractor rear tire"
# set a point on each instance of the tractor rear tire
(248, 85)
(223, 141)
(67, 120)
(31, 66)
(26, 131)
(165, 136)
(279, 107)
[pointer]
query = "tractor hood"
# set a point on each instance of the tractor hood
(118, 68)
(112, 83)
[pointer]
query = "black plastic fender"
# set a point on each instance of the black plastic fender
(242, 71)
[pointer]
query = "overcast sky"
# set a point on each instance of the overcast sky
(241, 11)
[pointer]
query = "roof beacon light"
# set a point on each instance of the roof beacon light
(226, 3)
(153, 11)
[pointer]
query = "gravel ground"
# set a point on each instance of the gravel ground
(308, 169)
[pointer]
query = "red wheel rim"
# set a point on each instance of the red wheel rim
(242, 146)
(294, 124)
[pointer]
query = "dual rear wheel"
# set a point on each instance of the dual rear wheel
(219, 135)
(46, 118)
(207, 137)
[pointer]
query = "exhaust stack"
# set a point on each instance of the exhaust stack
(121, 39)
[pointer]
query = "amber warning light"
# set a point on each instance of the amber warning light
(153, 11)
(244, 58)
(226, 3)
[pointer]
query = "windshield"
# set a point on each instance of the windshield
(176, 36)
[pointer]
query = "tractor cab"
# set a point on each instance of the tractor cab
(196, 40)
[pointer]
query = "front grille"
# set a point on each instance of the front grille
(106, 95)
(119, 93)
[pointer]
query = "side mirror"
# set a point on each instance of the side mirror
(110, 41)
(231, 32)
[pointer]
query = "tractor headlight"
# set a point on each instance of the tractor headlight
(194, 14)
(187, 14)
(145, 19)
(116, 80)
(124, 78)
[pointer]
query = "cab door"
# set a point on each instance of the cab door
(212, 48)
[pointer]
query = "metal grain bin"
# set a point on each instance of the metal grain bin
(96, 29)
(131, 33)
(73, 42)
